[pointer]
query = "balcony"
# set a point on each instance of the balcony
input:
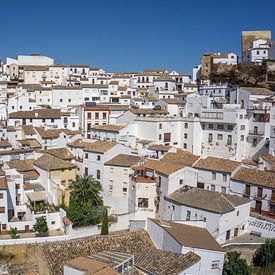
(256, 133)
(145, 179)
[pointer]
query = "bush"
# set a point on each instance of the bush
(41, 226)
(235, 265)
(264, 256)
(13, 233)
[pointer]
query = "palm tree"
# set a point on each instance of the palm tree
(86, 190)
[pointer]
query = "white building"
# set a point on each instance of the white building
(183, 238)
(226, 216)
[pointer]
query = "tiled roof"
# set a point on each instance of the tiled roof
(206, 200)
(54, 133)
(97, 146)
(156, 261)
(22, 165)
(257, 177)
(159, 147)
(61, 153)
(181, 157)
(190, 236)
(28, 130)
(4, 144)
(30, 142)
(16, 151)
(269, 158)
(162, 167)
(91, 266)
(109, 127)
(37, 114)
(259, 91)
(217, 164)
(51, 163)
(123, 160)
(30, 175)
(149, 111)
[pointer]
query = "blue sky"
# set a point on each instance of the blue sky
(126, 35)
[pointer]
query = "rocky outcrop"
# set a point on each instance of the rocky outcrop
(248, 75)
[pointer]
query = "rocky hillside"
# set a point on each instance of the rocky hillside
(249, 75)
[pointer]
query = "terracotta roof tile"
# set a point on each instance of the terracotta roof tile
(217, 164)
(207, 200)
(156, 261)
(190, 236)
(123, 160)
(51, 163)
(257, 177)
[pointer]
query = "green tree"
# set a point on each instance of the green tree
(235, 265)
(41, 226)
(13, 232)
(264, 256)
(85, 205)
(105, 224)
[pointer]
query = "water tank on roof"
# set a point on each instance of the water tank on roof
(91, 103)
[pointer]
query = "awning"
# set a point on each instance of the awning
(36, 196)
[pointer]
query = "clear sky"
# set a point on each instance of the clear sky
(126, 35)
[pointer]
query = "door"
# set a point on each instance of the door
(236, 231)
(27, 228)
(258, 207)
(227, 235)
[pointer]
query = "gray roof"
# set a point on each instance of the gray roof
(206, 200)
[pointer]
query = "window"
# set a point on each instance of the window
(1, 195)
(242, 137)
(210, 138)
(43, 120)
(159, 136)
(247, 190)
(143, 202)
(230, 127)
(104, 115)
(220, 137)
(52, 120)
(73, 124)
(200, 185)
(4, 226)
(124, 189)
(160, 126)
(258, 52)
(185, 125)
(2, 209)
(213, 187)
(224, 177)
(242, 127)
(167, 137)
(86, 155)
(181, 181)
(229, 140)
(98, 174)
(89, 125)
(61, 100)
(238, 212)
(89, 115)
(52, 222)
(220, 127)
(185, 145)
(86, 171)
(210, 126)
(223, 190)
(215, 264)
(185, 135)
(96, 115)
(188, 215)
(214, 176)
(111, 187)
(98, 157)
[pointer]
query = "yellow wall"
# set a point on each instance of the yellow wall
(66, 176)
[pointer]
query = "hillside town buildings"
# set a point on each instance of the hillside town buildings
(174, 154)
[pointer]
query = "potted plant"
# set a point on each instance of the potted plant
(13, 233)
